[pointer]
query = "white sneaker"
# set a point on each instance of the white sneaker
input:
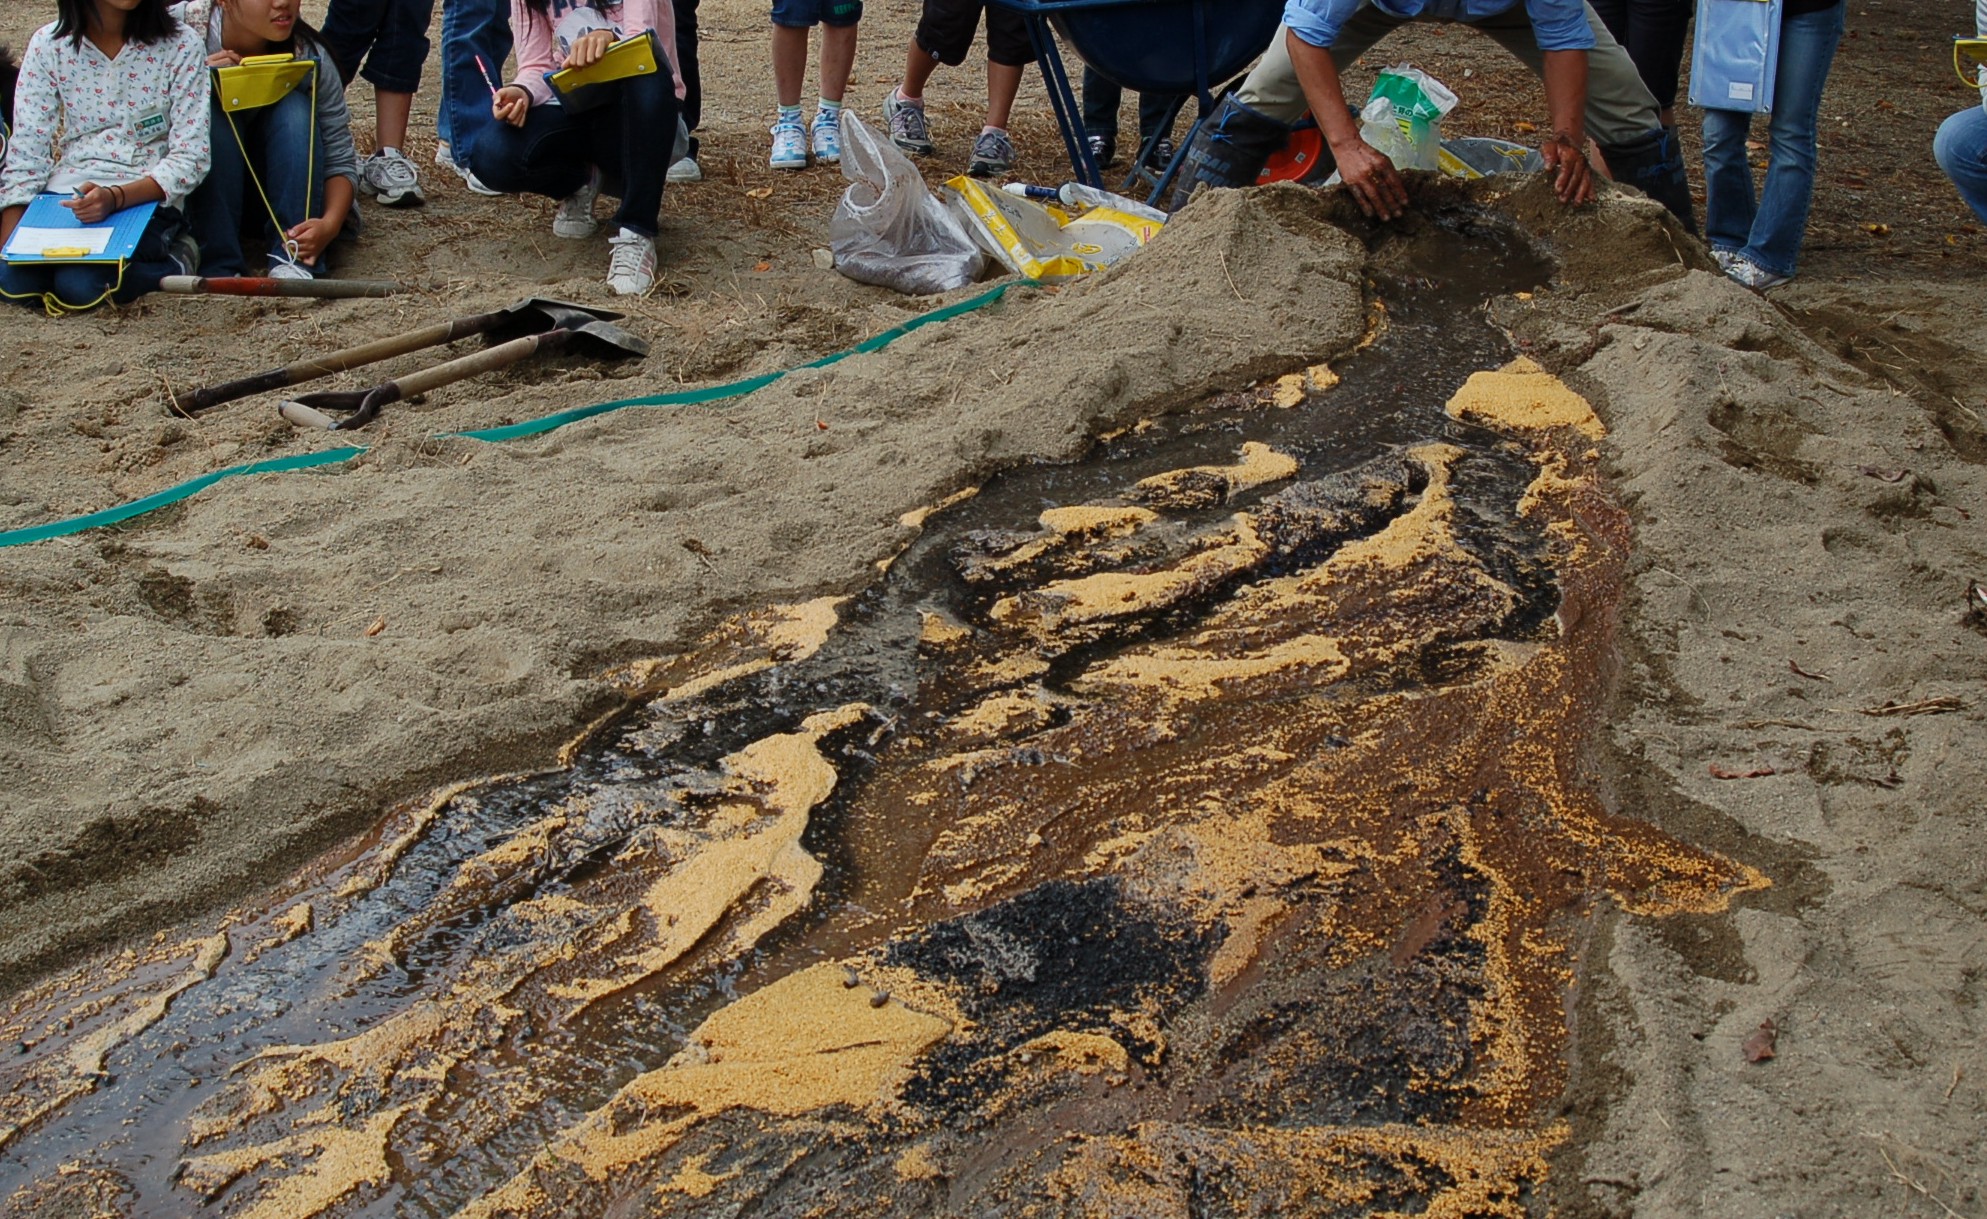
(574, 219)
(685, 170)
(279, 269)
(630, 263)
(789, 145)
(391, 178)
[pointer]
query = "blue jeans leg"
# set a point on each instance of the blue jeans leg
(292, 168)
(1961, 149)
(471, 28)
(1773, 229)
(214, 210)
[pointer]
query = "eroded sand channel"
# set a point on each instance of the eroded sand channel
(1196, 829)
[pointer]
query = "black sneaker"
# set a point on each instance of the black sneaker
(1162, 156)
(1103, 150)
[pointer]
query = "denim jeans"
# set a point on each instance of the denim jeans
(1961, 149)
(82, 285)
(1101, 99)
(1767, 229)
(628, 138)
(278, 139)
(470, 28)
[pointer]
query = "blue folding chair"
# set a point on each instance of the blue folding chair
(1183, 47)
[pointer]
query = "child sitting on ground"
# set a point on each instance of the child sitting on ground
(791, 21)
(544, 147)
(126, 87)
(293, 158)
(392, 37)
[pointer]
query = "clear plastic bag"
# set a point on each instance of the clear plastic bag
(889, 229)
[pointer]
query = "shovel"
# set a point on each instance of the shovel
(255, 285)
(592, 335)
(529, 316)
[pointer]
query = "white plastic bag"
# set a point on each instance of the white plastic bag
(889, 229)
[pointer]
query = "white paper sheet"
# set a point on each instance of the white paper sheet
(41, 241)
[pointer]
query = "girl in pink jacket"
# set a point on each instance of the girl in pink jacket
(619, 139)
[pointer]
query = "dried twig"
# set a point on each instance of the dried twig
(1924, 706)
(1223, 256)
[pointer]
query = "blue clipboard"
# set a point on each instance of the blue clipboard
(50, 233)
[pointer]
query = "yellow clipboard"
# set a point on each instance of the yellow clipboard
(1970, 53)
(260, 80)
(636, 56)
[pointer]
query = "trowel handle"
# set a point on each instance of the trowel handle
(503, 355)
(253, 285)
(338, 361)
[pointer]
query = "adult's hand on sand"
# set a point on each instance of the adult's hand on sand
(1375, 184)
(1572, 177)
(511, 104)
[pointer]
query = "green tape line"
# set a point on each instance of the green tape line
(514, 431)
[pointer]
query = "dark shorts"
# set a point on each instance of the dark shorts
(805, 14)
(946, 30)
(390, 36)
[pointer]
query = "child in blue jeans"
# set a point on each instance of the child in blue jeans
(391, 36)
(792, 19)
(300, 148)
(123, 85)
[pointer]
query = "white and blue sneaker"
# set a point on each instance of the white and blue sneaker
(789, 145)
(827, 137)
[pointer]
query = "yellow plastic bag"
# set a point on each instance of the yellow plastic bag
(1044, 242)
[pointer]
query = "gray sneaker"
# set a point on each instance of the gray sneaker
(908, 129)
(993, 153)
(1754, 276)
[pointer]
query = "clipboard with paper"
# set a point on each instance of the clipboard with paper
(259, 81)
(51, 233)
(579, 88)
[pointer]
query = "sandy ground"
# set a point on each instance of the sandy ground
(192, 705)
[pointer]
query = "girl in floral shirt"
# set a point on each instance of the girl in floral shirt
(126, 85)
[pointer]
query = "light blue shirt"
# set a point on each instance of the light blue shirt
(1560, 25)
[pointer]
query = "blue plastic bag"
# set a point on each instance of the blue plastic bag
(1735, 55)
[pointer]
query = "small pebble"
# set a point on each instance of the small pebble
(850, 979)
(880, 998)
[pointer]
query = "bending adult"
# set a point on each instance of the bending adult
(1757, 238)
(1591, 87)
(1961, 145)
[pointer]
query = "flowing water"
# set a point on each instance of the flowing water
(1192, 829)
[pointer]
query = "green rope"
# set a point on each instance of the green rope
(514, 431)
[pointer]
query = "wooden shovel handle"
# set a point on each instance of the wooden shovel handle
(503, 355)
(338, 361)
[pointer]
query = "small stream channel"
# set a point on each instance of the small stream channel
(658, 766)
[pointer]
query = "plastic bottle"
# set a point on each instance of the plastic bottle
(1076, 196)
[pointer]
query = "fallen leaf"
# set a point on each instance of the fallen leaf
(1759, 1046)
(1877, 230)
(762, 266)
(696, 547)
(1726, 772)
(256, 541)
(379, 624)
(1800, 672)
(1523, 128)
(759, 192)
(820, 425)
(1884, 475)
